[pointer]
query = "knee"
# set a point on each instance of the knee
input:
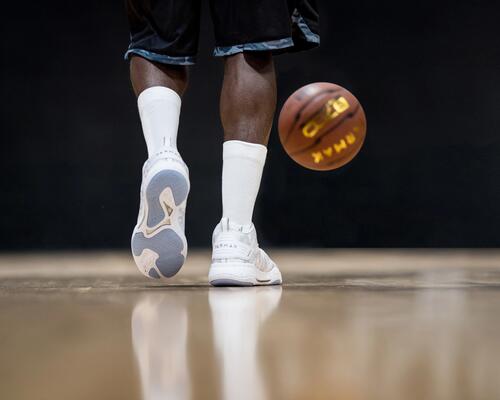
(259, 61)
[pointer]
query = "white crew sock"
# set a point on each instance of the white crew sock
(159, 109)
(241, 173)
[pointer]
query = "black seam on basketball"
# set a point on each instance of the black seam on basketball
(319, 138)
(299, 113)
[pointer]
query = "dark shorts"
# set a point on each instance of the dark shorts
(167, 31)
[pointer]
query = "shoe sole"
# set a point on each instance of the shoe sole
(242, 274)
(160, 251)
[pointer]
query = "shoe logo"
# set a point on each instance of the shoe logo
(225, 246)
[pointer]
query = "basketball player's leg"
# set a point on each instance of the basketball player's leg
(248, 97)
(159, 89)
(248, 102)
(246, 40)
(158, 71)
(247, 106)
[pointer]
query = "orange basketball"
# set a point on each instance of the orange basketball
(322, 126)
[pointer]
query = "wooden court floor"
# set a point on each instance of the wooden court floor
(361, 324)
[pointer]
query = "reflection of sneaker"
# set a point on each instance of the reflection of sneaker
(237, 318)
(159, 245)
(237, 259)
(160, 346)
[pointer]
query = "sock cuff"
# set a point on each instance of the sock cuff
(239, 149)
(157, 93)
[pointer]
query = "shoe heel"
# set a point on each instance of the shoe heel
(161, 253)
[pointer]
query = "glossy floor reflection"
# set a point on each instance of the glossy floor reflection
(350, 325)
(160, 331)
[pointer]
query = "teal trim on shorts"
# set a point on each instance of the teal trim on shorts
(308, 34)
(260, 46)
(160, 58)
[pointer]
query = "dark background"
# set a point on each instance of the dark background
(427, 74)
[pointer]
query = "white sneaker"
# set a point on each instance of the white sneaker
(237, 259)
(159, 245)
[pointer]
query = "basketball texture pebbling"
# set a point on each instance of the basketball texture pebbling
(322, 126)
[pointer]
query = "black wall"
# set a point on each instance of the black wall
(427, 74)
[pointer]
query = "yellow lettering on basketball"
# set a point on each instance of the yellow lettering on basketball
(350, 138)
(311, 129)
(340, 104)
(328, 151)
(317, 156)
(332, 109)
(340, 146)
